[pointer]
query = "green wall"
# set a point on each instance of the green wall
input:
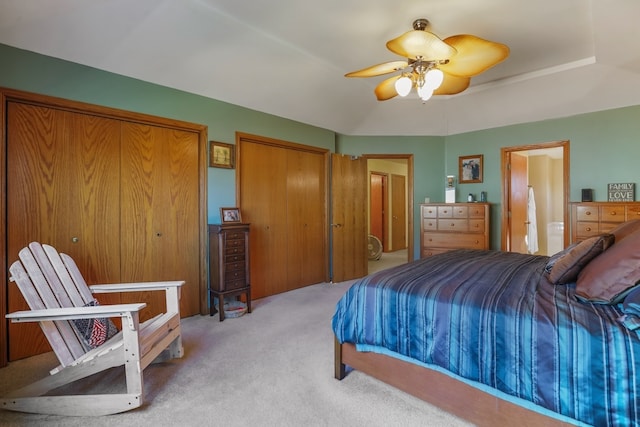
(604, 146)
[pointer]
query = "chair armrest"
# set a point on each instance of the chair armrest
(70, 313)
(133, 287)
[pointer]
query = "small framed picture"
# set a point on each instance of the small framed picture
(221, 155)
(470, 169)
(229, 215)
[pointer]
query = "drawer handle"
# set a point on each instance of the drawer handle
(587, 213)
(613, 213)
(453, 225)
(588, 228)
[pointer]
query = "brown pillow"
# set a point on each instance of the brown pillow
(625, 229)
(566, 268)
(610, 276)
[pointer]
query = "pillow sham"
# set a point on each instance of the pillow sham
(611, 276)
(94, 332)
(555, 257)
(625, 229)
(631, 309)
(566, 268)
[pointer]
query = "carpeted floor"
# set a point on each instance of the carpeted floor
(273, 367)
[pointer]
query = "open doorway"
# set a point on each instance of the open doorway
(535, 197)
(390, 209)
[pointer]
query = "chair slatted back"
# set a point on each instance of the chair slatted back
(45, 282)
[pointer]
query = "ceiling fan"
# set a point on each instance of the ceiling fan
(433, 66)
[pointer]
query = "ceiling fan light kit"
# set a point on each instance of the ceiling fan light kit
(433, 66)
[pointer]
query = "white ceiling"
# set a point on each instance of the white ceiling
(289, 57)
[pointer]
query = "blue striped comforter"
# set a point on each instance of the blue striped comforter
(492, 317)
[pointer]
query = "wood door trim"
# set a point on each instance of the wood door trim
(410, 204)
(505, 155)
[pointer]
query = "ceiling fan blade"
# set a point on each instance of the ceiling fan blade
(380, 69)
(420, 43)
(452, 84)
(475, 55)
(387, 89)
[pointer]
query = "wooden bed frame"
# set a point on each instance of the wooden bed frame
(443, 391)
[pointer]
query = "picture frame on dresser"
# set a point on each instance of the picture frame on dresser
(470, 169)
(230, 215)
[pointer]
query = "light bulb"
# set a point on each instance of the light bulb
(425, 93)
(433, 79)
(403, 85)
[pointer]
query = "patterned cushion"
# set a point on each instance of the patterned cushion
(94, 332)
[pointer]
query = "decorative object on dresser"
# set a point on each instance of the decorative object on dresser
(447, 226)
(228, 215)
(228, 265)
(621, 192)
(593, 218)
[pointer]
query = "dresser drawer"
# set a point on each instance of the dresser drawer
(587, 213)
(234, 275)
(234, 250)
(233, 235)
(429, 212)
(476, 225)
(235, 284)
(460, 212)
(452, 225)
(612, 213)
(450, 240)
(587, 229)
(445, 211)
(433, 251)
(476, 212)
(429, 224)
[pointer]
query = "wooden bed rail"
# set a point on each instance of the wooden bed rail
(439, 389)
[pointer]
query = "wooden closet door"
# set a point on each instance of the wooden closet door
(306, 219)
(263, 202)
(63, 190)
(160, 213)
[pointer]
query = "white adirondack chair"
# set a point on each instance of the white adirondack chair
(57, 294)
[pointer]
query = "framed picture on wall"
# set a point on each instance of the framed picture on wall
(470, 169)
(230, 215)
(221, 155)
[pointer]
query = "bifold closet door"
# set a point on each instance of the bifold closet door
(306, 225)
(62, 189)
(263, 200)
(160, 213)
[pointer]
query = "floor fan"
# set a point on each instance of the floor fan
(375, 248)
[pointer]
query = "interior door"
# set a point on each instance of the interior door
(62, 190)
(518, 193)
(377, 183)
(398, 212)
(348, 217)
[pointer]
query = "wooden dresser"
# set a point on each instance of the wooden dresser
(447, 226)
(228, 264)
(592, 218)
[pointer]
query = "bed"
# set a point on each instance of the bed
(502, 338)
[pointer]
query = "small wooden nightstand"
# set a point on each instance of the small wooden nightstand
(228, 265)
